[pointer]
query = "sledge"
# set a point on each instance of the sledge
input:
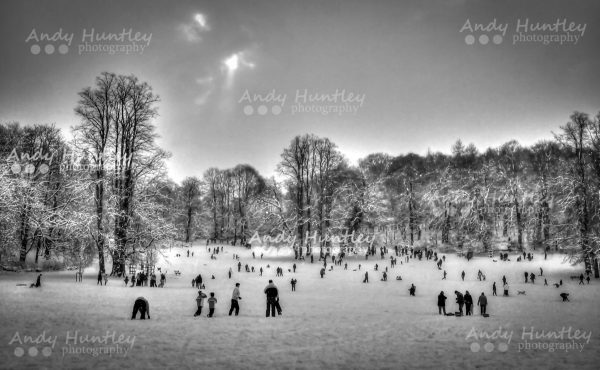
(486, 315)
(449, 314)
(457, 314)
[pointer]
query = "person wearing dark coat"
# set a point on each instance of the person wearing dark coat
(272, 295)
(412, 289)
(468, 303)
(442, 302)
(99, 278)
(38, 282)
(482, 303)
(460, 299)
(141, 305)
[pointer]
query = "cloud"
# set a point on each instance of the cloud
(236, 61)
(193, 29)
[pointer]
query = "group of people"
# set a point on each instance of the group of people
(271, 292)
(464, 301)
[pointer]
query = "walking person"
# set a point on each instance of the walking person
(100, 278)
(366, 280)
(235, 297)
(462, 275)
(494, 288)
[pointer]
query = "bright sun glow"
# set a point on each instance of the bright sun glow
(232, 63)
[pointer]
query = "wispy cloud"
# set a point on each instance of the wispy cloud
(193, 29)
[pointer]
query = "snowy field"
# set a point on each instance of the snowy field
(332, 323)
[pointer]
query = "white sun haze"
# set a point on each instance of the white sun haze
(232, 63)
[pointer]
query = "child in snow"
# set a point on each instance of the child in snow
(200, 303)
(211, 304)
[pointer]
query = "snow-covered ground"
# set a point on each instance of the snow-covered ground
(330, 323)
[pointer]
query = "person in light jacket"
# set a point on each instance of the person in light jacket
(235, 297)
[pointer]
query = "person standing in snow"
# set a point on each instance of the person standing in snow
(272, 294)
(322, 273)
(412, 289)
(200, 303)
(442, 302)
(494, 288)
(460, 299)
(38, 282)
(235, 297)
(468, 304)
(366, 280)
(211, 305)
(482, 303)
(99, 278)
(293, 282)
(462, 275)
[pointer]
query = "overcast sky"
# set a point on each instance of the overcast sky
(412, 81)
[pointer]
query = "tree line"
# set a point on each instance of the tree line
(106, 193)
